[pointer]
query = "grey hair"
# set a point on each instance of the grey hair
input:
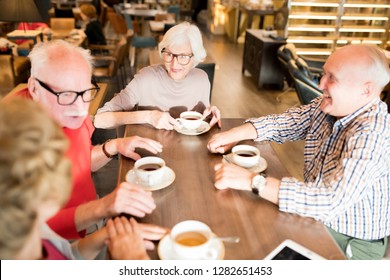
(182, 33)
(379, 66)
(43, 53)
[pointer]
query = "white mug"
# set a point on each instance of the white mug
(190, 120)
(150, 170)
(191, 240)
(245, 155)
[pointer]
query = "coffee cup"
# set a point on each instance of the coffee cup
(190, 120)
(191, 240)
(150, 170)
(245, 155)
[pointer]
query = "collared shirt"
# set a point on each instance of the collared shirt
(346, 170)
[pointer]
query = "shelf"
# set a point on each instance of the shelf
(319, 27)
(308, 15)
(311, 39)
(311, 27)
(314, 51)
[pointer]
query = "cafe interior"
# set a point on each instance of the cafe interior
(250, 47)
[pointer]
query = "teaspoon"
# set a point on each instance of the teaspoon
(229, 239)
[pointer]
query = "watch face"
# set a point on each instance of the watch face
(258, 184)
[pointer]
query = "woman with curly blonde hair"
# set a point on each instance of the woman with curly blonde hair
(34, 176)
(35, 182)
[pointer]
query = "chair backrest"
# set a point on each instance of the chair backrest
(306, 89)
(118, 23)
(119, 54)
(14, 70)
(7, 76)
(174, 9)
(165, 16)
(284, 56)
(129, 21)
(209, 68)
(117, 9)
(62, 23)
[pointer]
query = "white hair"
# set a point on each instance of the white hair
(182, 33)
(43, 53)
(376, 67)
(379, 66)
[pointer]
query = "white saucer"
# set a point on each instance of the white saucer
(165, 252)
(259, 167)
(204, 127)
(169, 177)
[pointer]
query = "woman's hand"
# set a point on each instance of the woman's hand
(126, 146)
(125, 240)
(161, 120)
(216, 115)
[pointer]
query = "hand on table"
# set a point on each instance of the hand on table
(125, 240)
(130, 199)
(152, 232)
(224, 141)
(127, 145)
(232, 176)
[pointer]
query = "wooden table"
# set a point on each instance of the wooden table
(35, 35)
(93, 106)
(142, 13)
(258, 223)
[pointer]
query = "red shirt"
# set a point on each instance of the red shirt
(83, 188)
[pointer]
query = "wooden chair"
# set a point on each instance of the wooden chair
(115, 62)
(14, 70)
(138, 41)
(306, 88)
(61, 27)
(174, 9)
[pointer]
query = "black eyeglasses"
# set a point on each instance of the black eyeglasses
(182, 59)
(68, 97)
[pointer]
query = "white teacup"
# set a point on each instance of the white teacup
(191, 240)
(150, 170)
(245, 155)
(190, 120)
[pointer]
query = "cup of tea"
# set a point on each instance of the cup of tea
(191, 240)
(190, 120)
(150, 170)
(245, 155)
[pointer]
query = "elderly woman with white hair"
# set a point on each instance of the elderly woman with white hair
(159, 93)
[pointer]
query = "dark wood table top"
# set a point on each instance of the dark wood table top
(192, 196)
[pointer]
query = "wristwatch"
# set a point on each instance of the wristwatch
(258, 184)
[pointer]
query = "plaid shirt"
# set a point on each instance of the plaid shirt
(346, 170)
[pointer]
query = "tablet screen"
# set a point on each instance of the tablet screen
(289, 254)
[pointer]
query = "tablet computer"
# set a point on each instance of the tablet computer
(290, 250)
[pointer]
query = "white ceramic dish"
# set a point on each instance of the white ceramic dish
(203, 128)
(259, 167)
(168, 178)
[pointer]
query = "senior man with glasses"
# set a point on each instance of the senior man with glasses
(61, 81)
(159, 93)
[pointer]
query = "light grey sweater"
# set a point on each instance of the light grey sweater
(153, 89)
